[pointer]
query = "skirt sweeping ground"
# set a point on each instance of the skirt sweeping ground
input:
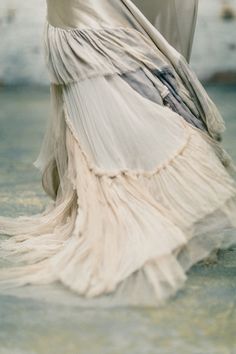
(141, 186)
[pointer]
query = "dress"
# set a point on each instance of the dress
(141, 186)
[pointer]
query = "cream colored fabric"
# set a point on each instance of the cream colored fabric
(75, 54)
(87, 14)
(210, 113)
(175, 19)
(139, 195)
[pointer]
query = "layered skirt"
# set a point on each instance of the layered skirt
(141, 187)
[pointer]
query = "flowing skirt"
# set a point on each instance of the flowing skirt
(140, 183)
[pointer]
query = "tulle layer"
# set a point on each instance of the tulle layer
(111, 233)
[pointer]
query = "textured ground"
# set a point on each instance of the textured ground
(200, 320)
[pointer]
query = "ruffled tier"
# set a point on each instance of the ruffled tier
(110, 233)
(77, 54)
(73, 55)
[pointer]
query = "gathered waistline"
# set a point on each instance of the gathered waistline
(85, 29)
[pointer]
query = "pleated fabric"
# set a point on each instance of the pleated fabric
(141, 187)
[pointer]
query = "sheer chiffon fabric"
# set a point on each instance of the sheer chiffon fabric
(141, 186)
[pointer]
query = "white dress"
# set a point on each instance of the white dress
(140, 183)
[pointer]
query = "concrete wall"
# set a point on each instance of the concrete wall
(214, 49)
